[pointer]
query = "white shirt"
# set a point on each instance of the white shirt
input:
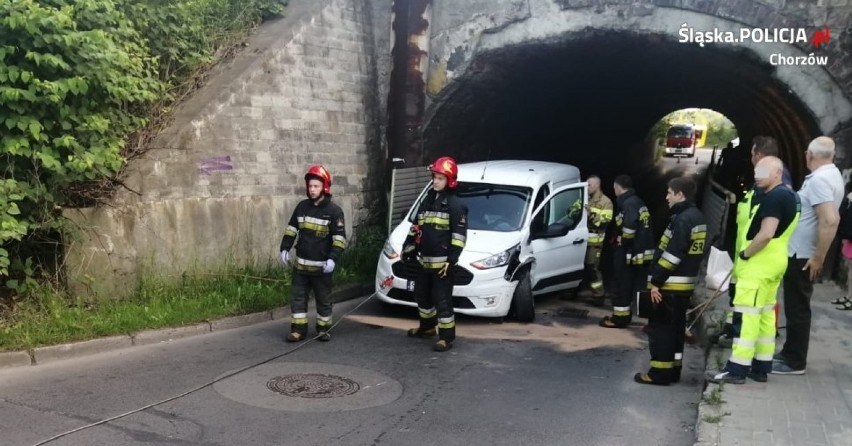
(823, 185)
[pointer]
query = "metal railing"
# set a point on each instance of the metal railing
(406, 185)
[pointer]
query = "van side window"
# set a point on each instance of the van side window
(566, 207)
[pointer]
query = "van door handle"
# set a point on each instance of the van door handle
(578, 241)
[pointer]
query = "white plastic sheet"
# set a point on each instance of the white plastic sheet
(719, 266)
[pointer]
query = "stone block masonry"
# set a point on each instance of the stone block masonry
(219, 184)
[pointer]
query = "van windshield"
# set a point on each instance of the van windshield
(493, 207)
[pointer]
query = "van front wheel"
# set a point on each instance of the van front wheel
(523, 305)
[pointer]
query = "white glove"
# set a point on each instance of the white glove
(285, 257)
(329, 266)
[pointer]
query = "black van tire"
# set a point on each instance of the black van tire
(523, 304)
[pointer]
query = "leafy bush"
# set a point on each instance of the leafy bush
(360, 258)
(80, 81)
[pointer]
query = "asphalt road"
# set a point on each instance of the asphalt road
(560, 380)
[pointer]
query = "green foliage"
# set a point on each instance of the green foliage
(52, 316)
(360, 258)
(68, 75)
(79, 79)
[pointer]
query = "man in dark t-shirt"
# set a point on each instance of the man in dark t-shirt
(781, 203)
(765, 235)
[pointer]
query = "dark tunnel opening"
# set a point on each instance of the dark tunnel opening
(590, 101)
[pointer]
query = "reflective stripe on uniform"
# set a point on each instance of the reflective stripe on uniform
(621, 311)
(434, 259)
(746, 310)
(744, 342)
(446, 322)
(679, 283)
(299, 318)
(316, 221)
(662, 364)
(669, 261)
(308, 265)
(291, 231)
(323, 321)
(338, 241)
(435, 214)
(306, 262)
(427, 313)
(596, 239)
(433, 217)
(458, 240)
(314, 224)
(605, 215)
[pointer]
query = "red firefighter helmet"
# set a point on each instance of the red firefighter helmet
(446, 165)
(319, 172)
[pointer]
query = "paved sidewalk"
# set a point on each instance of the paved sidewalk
(810, 409)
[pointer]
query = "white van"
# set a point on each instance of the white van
(526, 236)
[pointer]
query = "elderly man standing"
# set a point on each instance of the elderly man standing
(821, 194)
(761, 265)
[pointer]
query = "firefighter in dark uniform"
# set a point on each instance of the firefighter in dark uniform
(321, 229)
(436, 241)
(672, 279)
(633, 249)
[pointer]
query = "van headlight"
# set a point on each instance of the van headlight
(499, 259)
(388, 251)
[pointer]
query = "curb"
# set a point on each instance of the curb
(708, 425)
(42, 355)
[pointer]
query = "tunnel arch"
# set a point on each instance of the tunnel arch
(557, 87)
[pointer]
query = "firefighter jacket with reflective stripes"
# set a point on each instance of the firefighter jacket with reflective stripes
(322, 235)
(633, 229)
(681, 249)
(600, 214)
(440, 231)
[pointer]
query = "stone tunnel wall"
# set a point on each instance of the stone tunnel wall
(460, 32)
(219, 185)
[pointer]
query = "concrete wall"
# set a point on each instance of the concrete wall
(219, 185)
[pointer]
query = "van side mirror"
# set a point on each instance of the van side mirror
(553, 231)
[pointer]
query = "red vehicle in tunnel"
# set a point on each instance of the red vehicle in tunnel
(681, 140)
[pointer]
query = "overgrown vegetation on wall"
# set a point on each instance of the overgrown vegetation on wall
(84, 85)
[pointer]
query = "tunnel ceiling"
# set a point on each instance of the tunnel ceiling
(592, 101)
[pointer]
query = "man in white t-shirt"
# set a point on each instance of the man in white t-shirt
(821, 194)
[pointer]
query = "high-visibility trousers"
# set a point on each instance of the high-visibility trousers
(753, 349)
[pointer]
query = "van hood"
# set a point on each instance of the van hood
(479, 243)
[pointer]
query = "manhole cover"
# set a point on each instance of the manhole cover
(313, 385)
(576, 313)
(310, 386)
